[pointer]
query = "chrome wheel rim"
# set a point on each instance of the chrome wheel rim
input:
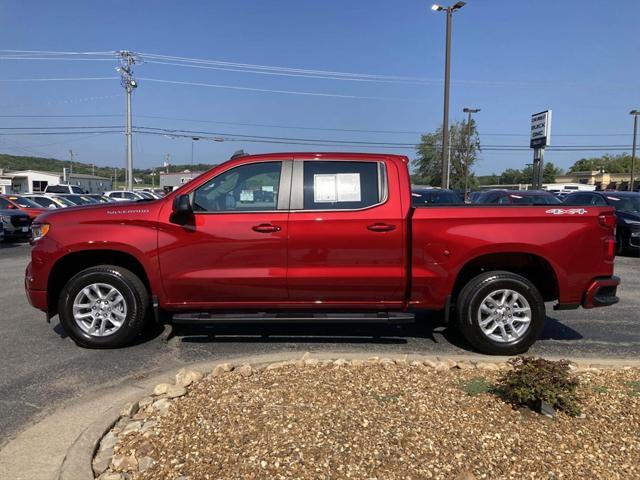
(504, 316)
(99, 309)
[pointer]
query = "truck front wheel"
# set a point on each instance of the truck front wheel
(103, 307)
(500, 313)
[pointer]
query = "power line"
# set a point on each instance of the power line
(265, 90)
(57, 79)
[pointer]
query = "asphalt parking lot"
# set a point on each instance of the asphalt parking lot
(40, 368)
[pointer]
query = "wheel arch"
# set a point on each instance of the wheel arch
(534, 267)
(74, 262)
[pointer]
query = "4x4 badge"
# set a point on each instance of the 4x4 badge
(567, 211)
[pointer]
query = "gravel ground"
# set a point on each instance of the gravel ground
(380, 421)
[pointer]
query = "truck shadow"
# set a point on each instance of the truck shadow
(430, 327)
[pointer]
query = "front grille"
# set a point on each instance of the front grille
(20, 221)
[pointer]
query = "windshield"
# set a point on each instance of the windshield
(625, 203)
(24, 202)
(80, 199)
(63, 201)
(146, 195)
(534, 199)
(45, 202)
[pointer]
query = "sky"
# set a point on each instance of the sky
(511, 59)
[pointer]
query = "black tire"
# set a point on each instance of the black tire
(470, 300)
(620, 246)
(135, 297)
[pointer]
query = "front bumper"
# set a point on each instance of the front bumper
(36, 298)
(601, 292)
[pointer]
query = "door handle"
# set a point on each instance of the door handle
(381, 227)
(266, 228)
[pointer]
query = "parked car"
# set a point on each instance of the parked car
(63, 188)
(435, 196)
(78, 199)
(338, 241)
(627, 205)
(18, 202)
(473, 196)
(1, 231)
(45, 201)
(100, 198)
(517, 197)
(16, 224)
(61, 200)
(124, 195)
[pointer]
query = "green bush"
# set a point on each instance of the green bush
(534, 379)
(476, 386)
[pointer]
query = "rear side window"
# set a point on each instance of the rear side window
(338, 185)
(56, 189)
(76, 190)
(579, 199)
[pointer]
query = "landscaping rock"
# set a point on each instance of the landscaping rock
(111, 476)
(131, 427)
(430, 363)
(465, 475)
(161, 389)
(340, 362)
(245, 370)
(102, 460)
(185, 378)
(221, 369)
(162, 406)
(175, 391)
(123, 463)
(130, 409)
(144, 463)
(145, 402)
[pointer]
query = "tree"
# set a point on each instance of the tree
(609, 163)
(464, 152)
(550, 172)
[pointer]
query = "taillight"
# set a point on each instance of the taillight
(607, 220)
(610, 248)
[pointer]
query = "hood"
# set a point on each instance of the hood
(98, 212)
(628, 215)
(13, 213)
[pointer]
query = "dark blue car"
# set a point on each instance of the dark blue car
(627, 205)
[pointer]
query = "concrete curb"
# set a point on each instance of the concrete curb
(104, 408)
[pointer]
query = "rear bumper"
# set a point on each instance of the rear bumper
(601, 292)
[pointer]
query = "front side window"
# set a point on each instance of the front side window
(76, 190)
(341, 185)
(248, 188)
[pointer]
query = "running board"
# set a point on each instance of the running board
(264, 317)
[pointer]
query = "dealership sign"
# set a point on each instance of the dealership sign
(540, 129)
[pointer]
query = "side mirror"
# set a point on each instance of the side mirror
(182, 209)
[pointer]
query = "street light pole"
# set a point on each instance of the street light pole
(127, 60)
(468, 111)
(635, 114)
(447, 73)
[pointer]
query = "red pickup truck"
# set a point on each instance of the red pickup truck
(317, 236)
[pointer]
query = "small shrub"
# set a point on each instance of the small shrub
(476, 386)
(634, 387)
(600, 389)
(535, 379)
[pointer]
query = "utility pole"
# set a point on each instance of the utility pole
(447, 73)
(167, 162)
(468, 111)
(635, 114)
(127, 60)
(115, 178)
(71, 155)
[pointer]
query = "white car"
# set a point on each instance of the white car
(124, 195)
(63, 188)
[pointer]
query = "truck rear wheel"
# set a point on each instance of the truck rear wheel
(500, 313)
(103, 307)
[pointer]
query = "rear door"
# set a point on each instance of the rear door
(346, 234)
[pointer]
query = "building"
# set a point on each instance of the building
(34, 181)
(600, 180)
(91, 183)
(169, 181)
(27, 181)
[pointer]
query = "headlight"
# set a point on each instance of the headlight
(631, 222)
(5, 219)
(39, 230)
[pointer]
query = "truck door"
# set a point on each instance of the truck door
(346, 234)
(235, 250)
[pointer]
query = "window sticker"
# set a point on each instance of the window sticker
(324, 188)
(246, 196)
(349, 187)
(267, 188)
